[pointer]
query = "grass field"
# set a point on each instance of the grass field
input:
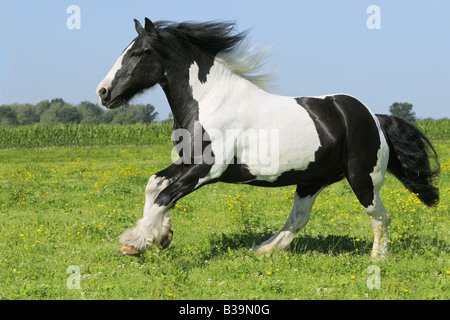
(62, 209)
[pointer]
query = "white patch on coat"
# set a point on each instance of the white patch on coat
(154, 187)
(379, 217)
(227, 101)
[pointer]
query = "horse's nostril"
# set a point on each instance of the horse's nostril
(103, 93)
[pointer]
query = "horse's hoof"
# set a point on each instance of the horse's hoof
(129, 251)
(166, 240)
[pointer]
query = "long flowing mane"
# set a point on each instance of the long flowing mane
(220, 40)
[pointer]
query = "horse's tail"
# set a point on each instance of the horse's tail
(410, 152)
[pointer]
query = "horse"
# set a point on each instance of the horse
(223, 116)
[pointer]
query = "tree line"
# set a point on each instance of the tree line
(58, 111)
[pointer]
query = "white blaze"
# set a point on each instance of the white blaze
(107, 81)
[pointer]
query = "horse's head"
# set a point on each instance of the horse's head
(138, 68)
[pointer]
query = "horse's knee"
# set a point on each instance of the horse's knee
(153, 183)
(156, 184)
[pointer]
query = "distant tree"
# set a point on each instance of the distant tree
(26, 114)
(108, 116)
(131, 114)
(91, 113)
(123, 117)
(60, 112)
(8, 116)
(41, 107)
(50, 114)
(403, 110)
(118, 116)
(69, 114)
(143, 113)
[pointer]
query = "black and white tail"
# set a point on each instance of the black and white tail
(410, 152)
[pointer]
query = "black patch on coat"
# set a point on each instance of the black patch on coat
(350, 140)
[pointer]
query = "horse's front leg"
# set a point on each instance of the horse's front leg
(154, 228)
(136, 240)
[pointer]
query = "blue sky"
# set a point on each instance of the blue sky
(319, 47)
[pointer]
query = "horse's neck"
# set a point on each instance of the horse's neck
(183, 107)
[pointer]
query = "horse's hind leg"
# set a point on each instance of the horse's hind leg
(380, 221)
(367, 187)
(299, 216)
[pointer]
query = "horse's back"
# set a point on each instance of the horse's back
(345, 122)
(342, 116)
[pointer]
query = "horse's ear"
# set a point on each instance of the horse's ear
(138, 26)
(150, 27)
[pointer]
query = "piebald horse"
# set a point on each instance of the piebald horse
(228, 128)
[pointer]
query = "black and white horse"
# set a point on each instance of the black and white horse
(229, 129)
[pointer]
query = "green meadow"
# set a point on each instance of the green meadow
(64, 204)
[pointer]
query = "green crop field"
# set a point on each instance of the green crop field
(67, 192)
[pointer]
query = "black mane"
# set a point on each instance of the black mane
(211, 37)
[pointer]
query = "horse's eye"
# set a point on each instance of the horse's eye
(135, 53)
(140, 52)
